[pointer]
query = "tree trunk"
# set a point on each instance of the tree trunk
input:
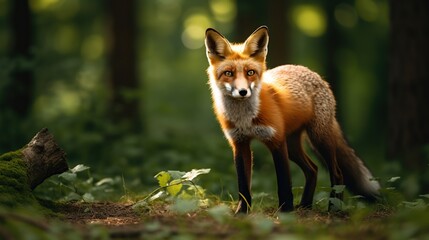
(20, 88)
(333, 40)
(272, 13)
(44, 158)
(248, 18)
(408, 115)
(123, 73)
(408, 128)
(279, 30)
(16, 93)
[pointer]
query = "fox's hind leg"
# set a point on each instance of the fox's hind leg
(325, 145)
(279, 152)
(298, 155)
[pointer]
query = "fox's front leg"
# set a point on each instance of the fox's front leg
(284, 184)
(243, 165)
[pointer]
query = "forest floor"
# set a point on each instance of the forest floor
(121, 221)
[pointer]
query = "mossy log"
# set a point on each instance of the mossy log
(23, 170)
(44, 158)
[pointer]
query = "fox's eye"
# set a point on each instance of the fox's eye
(228, 73)
(250, 73)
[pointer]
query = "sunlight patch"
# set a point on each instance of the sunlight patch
(194, 30)
(310, 19)
(223, 10)
(40, 5)
(367, 10)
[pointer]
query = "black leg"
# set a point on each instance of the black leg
(297, 154)
(284, 185)
(243, 165)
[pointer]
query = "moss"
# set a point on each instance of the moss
(14, 188)
(11, 155)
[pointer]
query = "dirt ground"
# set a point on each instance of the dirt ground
(107, 214)
(122, 222)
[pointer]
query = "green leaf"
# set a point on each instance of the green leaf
(417, 204)
(337, 204)
(185, 195)
(104, 181)
(79, 168)
(182, 206)
(195, 173)
(339, 188)
(157, 196)
(71, 177)
(72, 196)
(174, 187)
(424, 195)
(176, 174)
(393, 179)
(197, 191)
(88, 197)
(163, 178)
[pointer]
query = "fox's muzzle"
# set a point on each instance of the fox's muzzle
(240, 88)
(238, 93)
(241, 93)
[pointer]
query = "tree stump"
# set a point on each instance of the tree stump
(44, 158)
(23, 170)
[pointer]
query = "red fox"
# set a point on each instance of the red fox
(280, 107)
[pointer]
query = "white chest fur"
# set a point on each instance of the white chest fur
(241, 112)
(260, 132)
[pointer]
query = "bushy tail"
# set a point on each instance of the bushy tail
(357, 177)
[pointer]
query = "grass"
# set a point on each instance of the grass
(167, 220)
(180, 209)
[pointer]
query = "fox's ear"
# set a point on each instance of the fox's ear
(256, 44)
(218, 48)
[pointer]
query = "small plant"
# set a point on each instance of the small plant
(179, 186)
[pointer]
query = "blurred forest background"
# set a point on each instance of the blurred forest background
(122, 84)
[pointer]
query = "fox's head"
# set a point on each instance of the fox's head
(237, 69)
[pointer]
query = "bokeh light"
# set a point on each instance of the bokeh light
(310, 19)
(368, 10)
(194, 30)
(223, 10)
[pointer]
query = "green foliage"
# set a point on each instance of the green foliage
(78, 184)
(175, 183)
(180, 187)
(179, 207)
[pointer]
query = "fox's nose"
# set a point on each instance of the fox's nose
(243, 92)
